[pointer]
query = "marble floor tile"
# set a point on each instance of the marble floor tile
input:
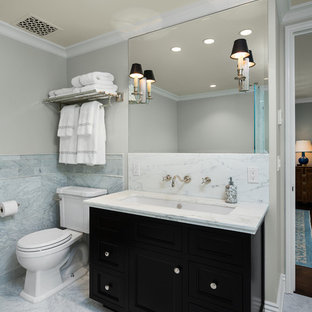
(297, 303)
(74, 298)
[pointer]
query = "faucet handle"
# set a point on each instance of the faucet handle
(187, 179)
(167, 178)
(206, 180)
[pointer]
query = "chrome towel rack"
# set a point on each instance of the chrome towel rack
(87, 96)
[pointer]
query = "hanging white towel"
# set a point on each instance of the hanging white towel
(67, 121)
(87, 118)
(91, 78)
(68, 144)
(91, 149)
(112, 89)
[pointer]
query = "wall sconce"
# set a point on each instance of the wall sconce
(241, 53)
(150, 78)
(142, 83)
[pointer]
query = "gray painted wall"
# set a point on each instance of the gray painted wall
(303, 121)
(27, 74)
(304, 126)
(113, 59)
(153, 127)
(221, 124)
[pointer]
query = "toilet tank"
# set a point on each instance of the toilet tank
(74, 214)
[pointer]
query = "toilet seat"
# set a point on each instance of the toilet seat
(43, 240)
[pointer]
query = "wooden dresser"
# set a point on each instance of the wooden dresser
(303, 185)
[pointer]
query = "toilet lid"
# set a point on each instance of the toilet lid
(44, 239)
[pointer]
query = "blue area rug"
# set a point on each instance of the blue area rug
(303, 238)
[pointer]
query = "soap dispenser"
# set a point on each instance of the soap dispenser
(231, 192)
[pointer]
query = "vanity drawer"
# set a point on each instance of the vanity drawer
(217, 286)
(164, 234)
(110, 255)
(222, 246)
(108, 288)
(108, 225)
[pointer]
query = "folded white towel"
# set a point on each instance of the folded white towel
(51, 93)
(63, 91)
(91, 148)
(91, 78)
(67, 121)
(76, 82)
(68, 144)
(101, 88)
(87, 118)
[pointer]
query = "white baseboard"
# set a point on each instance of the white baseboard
(278, 306)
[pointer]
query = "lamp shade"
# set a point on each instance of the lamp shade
(240, 49)
(149, 75)
(303, 146)
(251, 60)
(136, 71)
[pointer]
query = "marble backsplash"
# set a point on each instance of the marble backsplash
(146, 171)
(32, 180)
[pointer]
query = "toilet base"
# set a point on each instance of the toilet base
(34, 299)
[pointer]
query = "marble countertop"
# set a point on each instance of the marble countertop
(245, 218)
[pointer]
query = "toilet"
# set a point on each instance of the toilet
(54, 258)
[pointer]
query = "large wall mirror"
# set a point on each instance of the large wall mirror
(196, 104)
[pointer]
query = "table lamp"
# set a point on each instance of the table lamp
(303, 146)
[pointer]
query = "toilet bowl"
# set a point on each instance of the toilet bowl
(54, 258)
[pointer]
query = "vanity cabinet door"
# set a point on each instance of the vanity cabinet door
(155, 283)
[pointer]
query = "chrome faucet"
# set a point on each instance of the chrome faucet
(186, 179)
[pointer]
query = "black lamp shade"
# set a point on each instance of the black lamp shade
(240, 49)
(149, 75)
(136, 71)
(251, 60)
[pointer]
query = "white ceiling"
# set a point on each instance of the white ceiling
(81, 20)
(303, 51)
(198, 66)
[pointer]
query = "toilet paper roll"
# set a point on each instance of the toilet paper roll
(8, 208)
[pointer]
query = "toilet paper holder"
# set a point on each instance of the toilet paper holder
(1, 209)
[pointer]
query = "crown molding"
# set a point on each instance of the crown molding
(200, 96)
(304, 100)
(282, 8)
(31, 40)
(167, 19)
(165, 93)
(298, 13)
(197, 96)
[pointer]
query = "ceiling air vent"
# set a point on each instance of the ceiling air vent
(36, 26)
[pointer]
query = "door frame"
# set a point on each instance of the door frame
(291, 31)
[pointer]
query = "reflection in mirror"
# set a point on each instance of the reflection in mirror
(196, 104)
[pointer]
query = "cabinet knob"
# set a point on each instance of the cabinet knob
(213, 286)
(106, 254)
(176, 270)
(107, 287)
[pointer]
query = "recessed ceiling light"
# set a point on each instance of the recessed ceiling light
(176, 49)
(266, 78)
(246, 32)
(208, 41)
(213, 86)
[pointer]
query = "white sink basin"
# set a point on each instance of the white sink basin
(181, 205)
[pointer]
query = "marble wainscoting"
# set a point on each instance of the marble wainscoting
(31, 180)
(109, 176)
(146, 171)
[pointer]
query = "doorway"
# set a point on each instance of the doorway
(298, 136)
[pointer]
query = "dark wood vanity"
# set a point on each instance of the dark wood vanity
(142, 264)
